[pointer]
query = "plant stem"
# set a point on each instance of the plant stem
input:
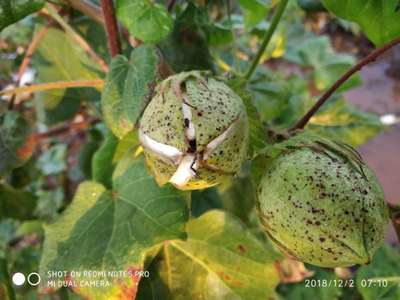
(94, 12)
(95, 83)
(111, 26)
(395, 217)
(229, 13)
(171, 5)
(362, 63)
(30, 50)
(274, 24)
(65, 128)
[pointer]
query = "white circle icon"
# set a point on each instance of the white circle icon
(18, 279)
(34, 278)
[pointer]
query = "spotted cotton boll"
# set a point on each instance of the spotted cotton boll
(194, 131)
(322, 205)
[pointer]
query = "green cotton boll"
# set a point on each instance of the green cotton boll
(194, 131)
(320, 203)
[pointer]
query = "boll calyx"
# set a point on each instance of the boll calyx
(194, 131)
(321, 204)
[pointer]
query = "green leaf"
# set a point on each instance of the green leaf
(16, 204)
(379, 19)
(152, 287)
(204, 200)
(11, 11)
(145, 20)
(30, 227)
(384, 267)
(61, 105)
(113, 230)
(271, 94)
(114, 114)
(197, 19)
(238, 198)
(341, 121)
(187, 41)
(87, 152)
(128, 86)
(14, 132)
(311, 5)
(219, 260)
(254, 12)
(219, 34)
(280, 100)
(139, 80)
(258, 166)
(102, 161)
(128, 144)
(60, 58)
(258, 136)
(110, 153)
(24, 175)
(317, 52)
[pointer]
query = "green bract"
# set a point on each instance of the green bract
(322, 205)
(194, 131)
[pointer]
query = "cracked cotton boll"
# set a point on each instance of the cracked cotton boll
(194, 131)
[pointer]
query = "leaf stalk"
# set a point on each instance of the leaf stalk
(111, 26)
(95, 83)
(357, 67)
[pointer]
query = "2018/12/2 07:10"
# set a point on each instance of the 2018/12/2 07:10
(313, 283)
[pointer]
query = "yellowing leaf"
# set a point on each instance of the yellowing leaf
(342, 121)
(109, 231)
(219, 260)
